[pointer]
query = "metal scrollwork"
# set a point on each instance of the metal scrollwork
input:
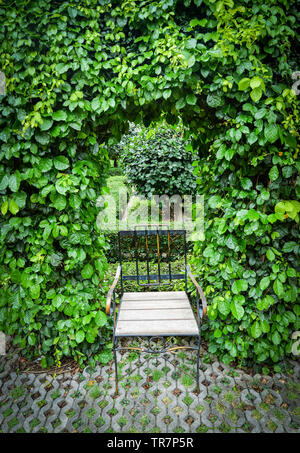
(156, 345)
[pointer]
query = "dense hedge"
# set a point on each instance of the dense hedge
(77, 73)
(249, 261)
(156, 162)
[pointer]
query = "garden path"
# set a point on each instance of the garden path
(156, 395)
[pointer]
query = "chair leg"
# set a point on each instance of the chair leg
(116, 368)
(198, 364)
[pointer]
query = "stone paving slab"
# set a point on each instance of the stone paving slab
(156, 395)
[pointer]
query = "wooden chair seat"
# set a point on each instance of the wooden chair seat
(165, 313)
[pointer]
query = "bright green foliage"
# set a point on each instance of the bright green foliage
(249, 261)
(76, 74)
(156, 162)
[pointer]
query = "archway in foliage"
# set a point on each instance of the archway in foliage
(76, 74)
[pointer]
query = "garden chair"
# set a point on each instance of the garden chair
(154, 314)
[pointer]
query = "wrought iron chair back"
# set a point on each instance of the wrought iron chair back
(153, 246)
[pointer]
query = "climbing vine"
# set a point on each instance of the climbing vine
(77, 73)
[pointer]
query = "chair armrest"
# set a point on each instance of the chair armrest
(199, 289)
(111, 290)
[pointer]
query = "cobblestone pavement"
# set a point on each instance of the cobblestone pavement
(156, 394)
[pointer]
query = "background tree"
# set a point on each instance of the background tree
(156, 162)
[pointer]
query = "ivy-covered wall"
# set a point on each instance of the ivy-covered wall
(77, 72)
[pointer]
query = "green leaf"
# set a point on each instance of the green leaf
(13, 207)
(90, 336)
(255, 82)
(265, 326)
(271, 133)
(224, 307)
(45, 165)
(75, 126)
(58, 300)
(4, 182)
(59, 201)
(167, 94)
(62, 67)
(270, 255)
(217, 333)
(35, 291)
(4, 134)
(96, 103)
(215, 201)
(229, 153)
(291, 272)
(237, 310)
(288, 247)
(253, 214)
(256, 94)
(47, 231)
(244, 84)
(31, 339)
(191, 43)
(75, 201)
(191, 61)
(214, 100)
(47, 123)
(273, 173)
(42, 138)
(59, 115)
(87, 271)
(180, 104)
(239, 286)
(276, 338)
(231, 242)
(100, 319)
(4, 207)
(61, 162)
(80, 335)
(14, 182)
(264, 283)
(278, 288)
(264, 304)
(287, 171)
(191, 99)
(63, 230)
(195, 22)
(105, 356)
(260, 113)
(221, 152)
(44, 362)
(72, 12)
(246, 183)
(256, 330)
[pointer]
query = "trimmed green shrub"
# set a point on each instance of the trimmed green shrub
(156, 162)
